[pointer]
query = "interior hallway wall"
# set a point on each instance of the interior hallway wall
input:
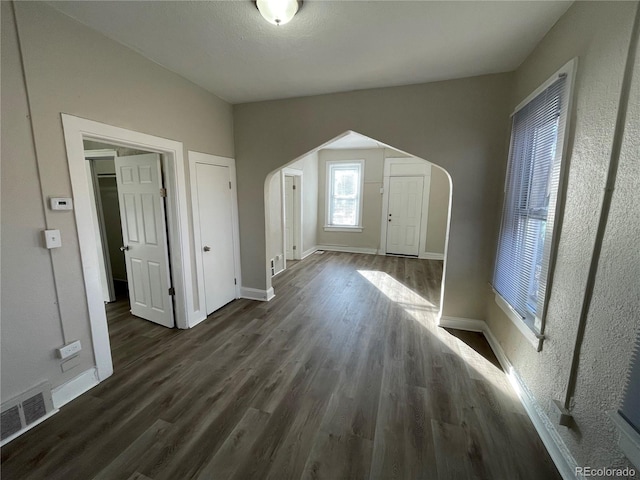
(460, 125)
(309, 167)
(276, 235)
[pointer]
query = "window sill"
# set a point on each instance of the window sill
(532, 337)
(329, 228)
(629, 441)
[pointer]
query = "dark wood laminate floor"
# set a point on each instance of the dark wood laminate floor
(343, 375)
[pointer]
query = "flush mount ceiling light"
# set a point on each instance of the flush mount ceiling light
(277, 12)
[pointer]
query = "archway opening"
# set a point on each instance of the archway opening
(359, 195)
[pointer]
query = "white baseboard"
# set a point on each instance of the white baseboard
(257, 294)
(558, 450)
(560, 454)
(74, 388)
(347, 249)
(431, 256)
(306, 253)
(459, 323)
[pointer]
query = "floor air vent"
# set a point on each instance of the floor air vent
(22, 411)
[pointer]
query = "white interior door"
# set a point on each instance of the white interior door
(144, 234)
(213, 183)
(289, 218)
(404, 215)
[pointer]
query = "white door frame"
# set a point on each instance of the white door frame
(75, 130)
(297, 207)
(200, 311)
(104, 260)
(406, 167)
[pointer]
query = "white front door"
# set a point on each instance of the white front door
(289, 218)
(404, 215)
(144, 234)
(216, 234)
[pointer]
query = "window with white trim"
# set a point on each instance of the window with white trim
(344, 194)
(531, 191)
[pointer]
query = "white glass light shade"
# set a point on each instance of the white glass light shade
(277, 12)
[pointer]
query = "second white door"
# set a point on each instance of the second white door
(404, 215)
(216, 234)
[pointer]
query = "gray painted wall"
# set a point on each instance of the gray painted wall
(275, 223)
(70, 68)
(438, 211)
(460, 125)
(597, 33)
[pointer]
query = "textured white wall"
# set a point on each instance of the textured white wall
(71, 69)
(599, 34)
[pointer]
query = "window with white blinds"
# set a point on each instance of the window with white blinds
(531, 191)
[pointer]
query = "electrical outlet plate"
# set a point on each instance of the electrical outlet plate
(69, 349)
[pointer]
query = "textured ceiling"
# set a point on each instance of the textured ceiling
(330, 46)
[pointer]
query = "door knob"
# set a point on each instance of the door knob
(124, 248)
(206, 248)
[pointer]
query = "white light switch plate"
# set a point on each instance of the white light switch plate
(52, 238)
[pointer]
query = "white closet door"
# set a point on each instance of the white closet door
(216, 234)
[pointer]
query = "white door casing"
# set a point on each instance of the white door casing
(77, 129)
(213, 184)
(289, 216)
(404, 215)
(144, 233)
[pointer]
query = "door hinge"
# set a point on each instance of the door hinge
(235, 281)
(294, 247)
(294, 187)
(163, 192)
(172, 291)
(229, 185)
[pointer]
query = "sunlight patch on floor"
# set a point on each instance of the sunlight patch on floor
(419, 308)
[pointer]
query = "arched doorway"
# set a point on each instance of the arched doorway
(384, 180)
